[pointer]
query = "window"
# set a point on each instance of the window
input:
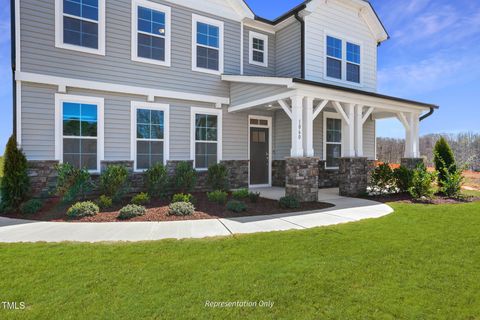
(80, 25)
(151, 33)
(340, 66)
(79, 131)
(207, 45)
(258, 54)
(333, 140)
(150, 134)
(206, 137)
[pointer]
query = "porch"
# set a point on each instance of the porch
(342, 141)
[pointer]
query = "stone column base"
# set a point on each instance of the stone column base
(278, 173)
(353, 176)
(302, 178)
(411, 163)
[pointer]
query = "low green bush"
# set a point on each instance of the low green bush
(181, 209)
(31, 206)
(254, 196)
(453, 180)
(217, 177)
(157, 181)
(83, 209)
(383, 180)
(289, 202)
(422, 183)
(217, 196)
(72, 183)
(141, 199)
(131, 211)
(403, 178)
(184, 178)
(114, 182)
(236, 206)
(104, 202)
(182, 197)
(240, 194)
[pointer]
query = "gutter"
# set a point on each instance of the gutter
(14, 62)
(302, 42)
(425, 116)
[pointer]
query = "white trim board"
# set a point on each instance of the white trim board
(117, 88)
(208, 111)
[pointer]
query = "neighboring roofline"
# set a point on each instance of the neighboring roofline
(367, 93)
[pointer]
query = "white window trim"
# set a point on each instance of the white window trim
(255, 35)
(133, 129)
(100, 103)
(216, 112)
(270, 147)
(330, 115)
(196, 18)
(168, 31)
(59, 30)
(344, 59)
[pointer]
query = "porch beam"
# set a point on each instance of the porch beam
(339, 109)
(259, 102)
(367, 114)
(319, 108)
(401, 117)
(285, 108)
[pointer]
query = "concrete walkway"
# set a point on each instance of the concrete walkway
(345, 210)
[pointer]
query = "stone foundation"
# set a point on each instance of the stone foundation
(237, 173)
(43, 178)
(278, 173)
(353, 176)
(411, 163)
(302, 178)
(327, 178)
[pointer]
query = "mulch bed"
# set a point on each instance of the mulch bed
(406, 198)
(157, 210)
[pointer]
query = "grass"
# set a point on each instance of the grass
(422, 262)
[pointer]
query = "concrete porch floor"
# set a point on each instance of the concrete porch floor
(346, 210)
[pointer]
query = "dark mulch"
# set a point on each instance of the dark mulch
(406, 198)
(157, 210)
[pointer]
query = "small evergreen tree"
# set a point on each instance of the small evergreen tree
(444, 160)
(15, 183)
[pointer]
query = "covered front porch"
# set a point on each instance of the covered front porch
(317, 123)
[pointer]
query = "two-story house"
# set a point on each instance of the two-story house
(291, 101)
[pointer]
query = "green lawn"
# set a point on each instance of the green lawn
(422, 262)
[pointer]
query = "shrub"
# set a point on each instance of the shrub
(131, 211)
(114, 181)
(443, 158)
(289, 202)
(217, 196)
(217, 177)
(182, 197)
(83, 209)
(72, 183)
(141, 199)
(104, 202)
(31, 206)
(185, 177)
(422, 183)
(236, 206)
(157, 180)
(15, 183)
(383, 180)
(254, 196)
(240, 194)
(403, 178)
(453, 181)
(181, 209)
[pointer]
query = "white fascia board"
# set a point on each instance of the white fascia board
(236, 12)
(275, 81)
(118, 88)
(258, 25)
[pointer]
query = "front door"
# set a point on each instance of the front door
(259, 156)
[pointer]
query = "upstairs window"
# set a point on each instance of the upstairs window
(207, 45)
(343, 60)
(80, 25)
(151, 33)
(258, 54)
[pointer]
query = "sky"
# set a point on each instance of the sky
(433, 56)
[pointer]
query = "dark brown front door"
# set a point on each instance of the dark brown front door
(259, 156)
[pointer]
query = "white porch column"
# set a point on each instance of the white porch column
(411, 122)
(297, 126)
(349, 130)
(359, 131)
(308, 126)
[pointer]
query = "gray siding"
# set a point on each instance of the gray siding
(289, 51)
(254, 70)
(39, 54)
(242, 93)
(369, 139)
(282, 138)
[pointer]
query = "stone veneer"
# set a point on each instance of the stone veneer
(43, 178)
(302, 178)
(278, 173)
(411, 163)
(353, 176)
(327, 178)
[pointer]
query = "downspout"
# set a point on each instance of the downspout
(13, 61)
(425, 116)
(302, 44)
